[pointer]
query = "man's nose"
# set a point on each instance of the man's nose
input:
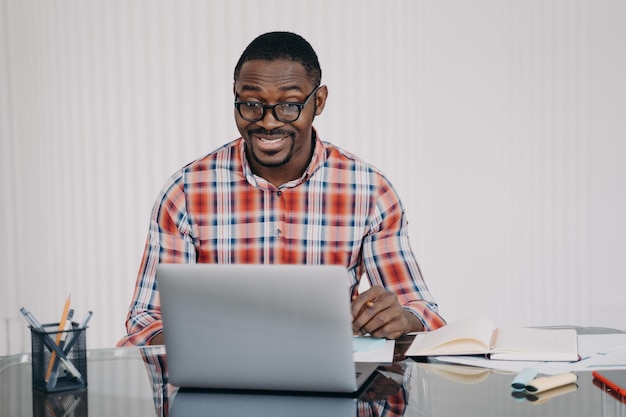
(269, 121)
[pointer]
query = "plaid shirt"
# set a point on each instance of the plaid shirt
(341, 211)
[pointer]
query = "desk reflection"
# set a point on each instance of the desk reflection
(386, 396)
(190, 404)
(119, 385)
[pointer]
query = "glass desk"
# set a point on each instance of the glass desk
(130, 382)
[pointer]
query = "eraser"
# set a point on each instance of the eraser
(523, 378)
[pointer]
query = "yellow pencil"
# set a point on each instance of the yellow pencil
(369, 303)
(66, 310)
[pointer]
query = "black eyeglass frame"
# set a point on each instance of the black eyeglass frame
(266, 107)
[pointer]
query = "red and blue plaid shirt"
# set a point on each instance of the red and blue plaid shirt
(341, 211)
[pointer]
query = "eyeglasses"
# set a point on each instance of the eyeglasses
(254, 111)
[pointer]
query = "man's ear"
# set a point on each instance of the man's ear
(320, 99)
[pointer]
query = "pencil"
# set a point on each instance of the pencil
(66, 310)
(369, 303)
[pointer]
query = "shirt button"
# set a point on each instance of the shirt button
(279, 193)
(278, 232)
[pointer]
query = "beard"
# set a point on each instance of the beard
(259, 156)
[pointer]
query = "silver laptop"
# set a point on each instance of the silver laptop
(259, 327)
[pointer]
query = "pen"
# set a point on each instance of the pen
(67, 326)
(82, 325)
(86, 320)
(30, 319)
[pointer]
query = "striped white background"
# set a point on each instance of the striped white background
(501, 123)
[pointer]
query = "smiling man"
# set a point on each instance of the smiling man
(279, 194)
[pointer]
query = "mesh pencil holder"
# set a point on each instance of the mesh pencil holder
(59, 367)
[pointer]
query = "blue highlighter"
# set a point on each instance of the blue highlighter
(523, 378)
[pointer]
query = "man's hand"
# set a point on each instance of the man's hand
(379, 313)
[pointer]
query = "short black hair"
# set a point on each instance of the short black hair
(282, 45)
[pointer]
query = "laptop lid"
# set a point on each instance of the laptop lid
(258, 327)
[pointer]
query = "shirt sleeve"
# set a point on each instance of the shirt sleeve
(390, 261)
(169, 241)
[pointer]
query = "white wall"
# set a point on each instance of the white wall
(501, 123)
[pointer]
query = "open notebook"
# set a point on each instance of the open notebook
(259, 327)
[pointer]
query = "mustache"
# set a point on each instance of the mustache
(273, 132)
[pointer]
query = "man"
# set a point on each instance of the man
(279, 194)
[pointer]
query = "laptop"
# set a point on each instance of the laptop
(260, 327)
